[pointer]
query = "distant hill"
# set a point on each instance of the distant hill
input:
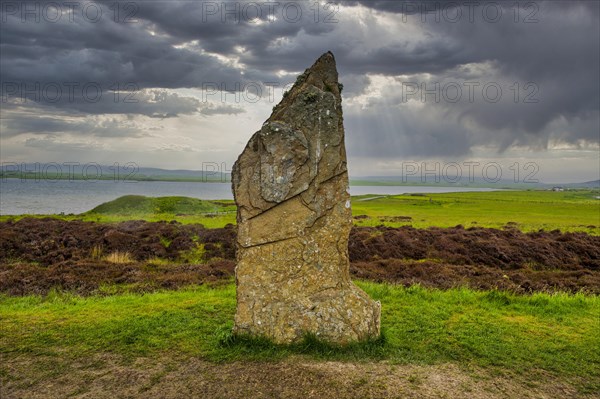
(129, 171)
(464, 182)
(432, 180)
(217, 173)
(141, 205)
(588, 184)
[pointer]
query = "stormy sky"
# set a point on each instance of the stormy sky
(179, 84)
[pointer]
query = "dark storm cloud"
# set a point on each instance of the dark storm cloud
(142, 51)
(402, 133)
(557, 57)
(106, 53)
(223, 25)
(355, 85)
(152, 45)
(172, 45)
(91, 98)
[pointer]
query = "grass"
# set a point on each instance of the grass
(157, 208)
(557, 333)
(119, 257)
(574, 210)
(96, 252)
(139, 204)
(183, 209)
(193, 255)
(211, 214)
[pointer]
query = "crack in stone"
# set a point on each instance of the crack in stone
(266, 242)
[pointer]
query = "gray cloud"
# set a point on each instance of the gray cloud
(176, 45)
(18, 124)
(54, 143)
(557, 57)
(221, 110)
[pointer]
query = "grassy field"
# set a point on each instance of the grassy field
(576, 210)
(526, 210)
(508, 333)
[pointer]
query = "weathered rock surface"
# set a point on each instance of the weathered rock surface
(294, 218)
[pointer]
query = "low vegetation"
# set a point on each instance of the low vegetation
(119, 257)
(37, 255)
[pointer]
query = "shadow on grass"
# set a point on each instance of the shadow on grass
(232, 346)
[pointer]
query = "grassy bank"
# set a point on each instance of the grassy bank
(184, 209)
(187, 210)
(555, 333)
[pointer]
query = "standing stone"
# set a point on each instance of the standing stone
(291, 187)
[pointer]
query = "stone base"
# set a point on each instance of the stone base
(339, 315)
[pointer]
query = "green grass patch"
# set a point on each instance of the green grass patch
(193, 255)
(140, 205)
(557, 333)
(526, 210)
(211, 214)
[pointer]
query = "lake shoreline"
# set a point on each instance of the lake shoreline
(43, 197)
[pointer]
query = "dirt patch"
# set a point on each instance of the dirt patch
(108, 376)
(395, 219)
(39, 254)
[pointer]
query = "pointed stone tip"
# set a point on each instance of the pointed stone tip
(328, 54)
(323, 73)
(325, 59)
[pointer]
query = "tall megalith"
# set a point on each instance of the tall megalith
(291, 187)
